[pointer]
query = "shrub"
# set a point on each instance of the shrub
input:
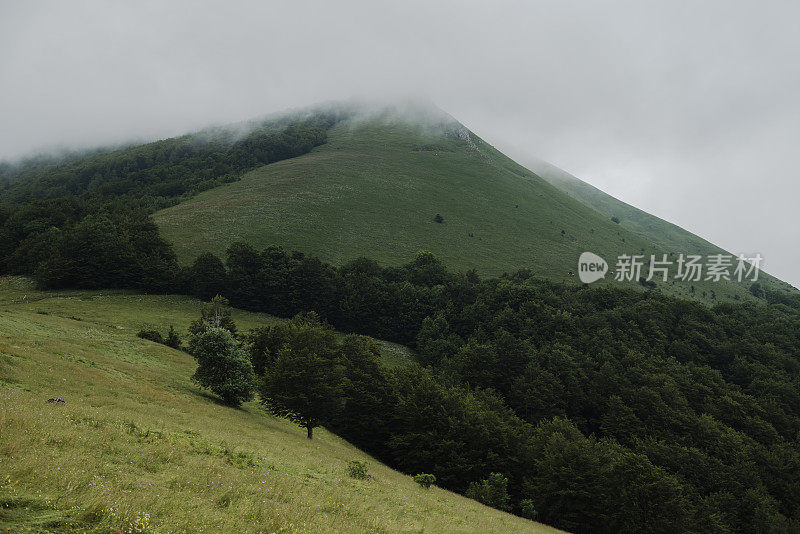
(425, 480)
(615, 219)
(173, 339)
(357, 469)
(527, 509)
(438, 218)
(151, 335)
(223, 367)
(492, 491)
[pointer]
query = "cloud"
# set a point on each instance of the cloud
(685, 109)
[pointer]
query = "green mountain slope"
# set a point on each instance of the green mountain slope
(650, 227)
(374, 188)
(138, 447)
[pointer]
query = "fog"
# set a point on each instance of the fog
(687, 110)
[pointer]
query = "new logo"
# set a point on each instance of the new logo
(591, 267)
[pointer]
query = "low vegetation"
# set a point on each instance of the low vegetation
(358, 469)
(425, 480)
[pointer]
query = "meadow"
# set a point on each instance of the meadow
(137, 447)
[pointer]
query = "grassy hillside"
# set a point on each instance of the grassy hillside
(138, 445)
(374, 188)
(643, 224)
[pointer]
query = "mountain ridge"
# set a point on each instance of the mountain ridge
(373, 189)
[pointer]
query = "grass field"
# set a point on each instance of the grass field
(137, 447)
(374, 189)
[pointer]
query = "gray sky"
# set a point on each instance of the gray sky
(688, 110)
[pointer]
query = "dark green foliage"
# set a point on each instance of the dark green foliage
(369, 399)
(113, 249)
(610, 410)
(280, 283)
(438, 218)
(436, 341)
(208, 277)
(222, 366)
(457, 434)
(528, 510)
(151, 335)
(357, 469)
(425, 480)
(649, 284)
(264, 343)
(153, 172)
(615, 219)
(173, 339)
(491, 491)
(579, 482)
(304, 383)
(364, 389)
(756, 290)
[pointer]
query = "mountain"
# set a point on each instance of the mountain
(377, 184)
(588, 408)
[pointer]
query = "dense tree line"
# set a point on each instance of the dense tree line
(64, 205)
(607, 409)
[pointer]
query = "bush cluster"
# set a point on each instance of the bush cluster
(358, 470)
(425, 480)
(172, 339)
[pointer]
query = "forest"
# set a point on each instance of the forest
(611, 410)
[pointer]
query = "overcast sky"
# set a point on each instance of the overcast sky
(688, 110)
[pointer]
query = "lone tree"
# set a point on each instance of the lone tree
(304, 383)
(222, 367)
(438, 218)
